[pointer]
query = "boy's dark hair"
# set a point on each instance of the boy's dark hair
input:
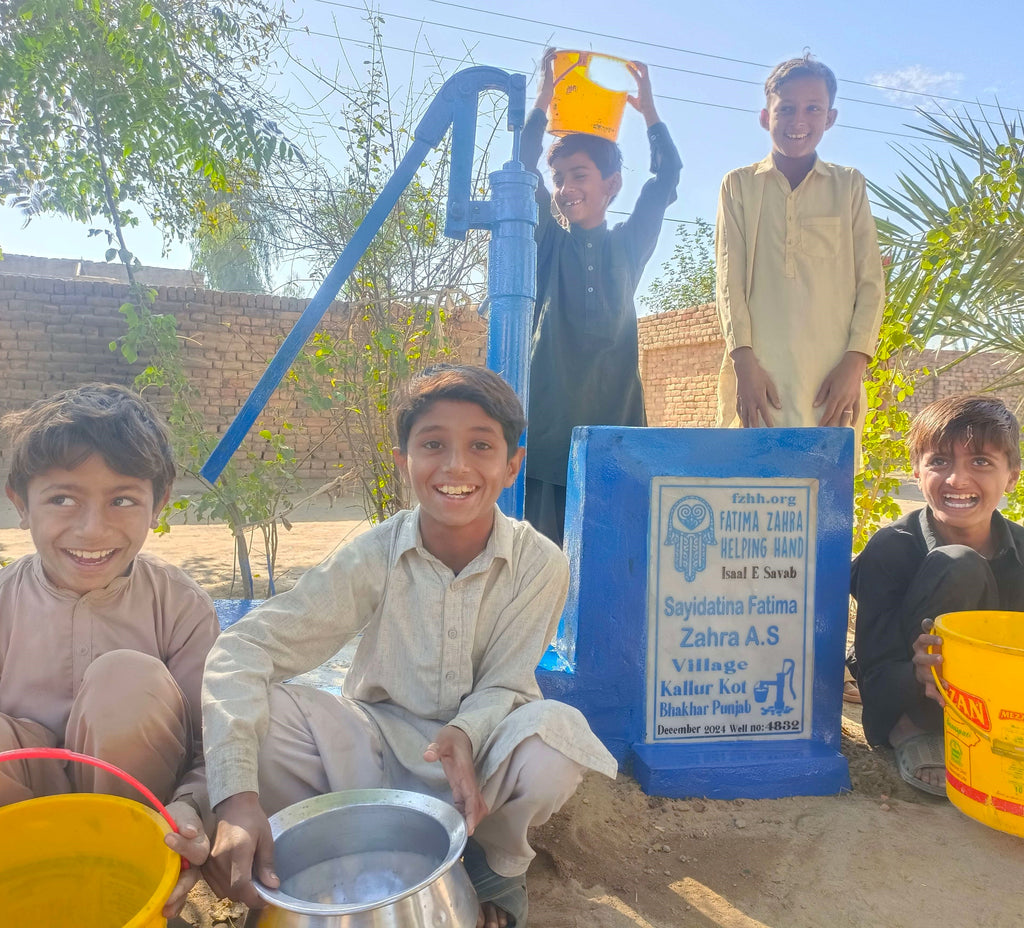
(605, 154)
(97, 418)
(467, 384)
(806, 66)
(974, 421)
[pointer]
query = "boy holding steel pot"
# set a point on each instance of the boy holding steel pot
(456, 603)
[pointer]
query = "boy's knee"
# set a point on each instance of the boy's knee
(123, 686)
(544, 772)
(957, 564)
(123, 676)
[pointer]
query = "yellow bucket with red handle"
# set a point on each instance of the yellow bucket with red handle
(983, 671)
(84, 859)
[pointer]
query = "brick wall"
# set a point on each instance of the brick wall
(55, 334)
(680, 355)
(973, 374)
(681, 352)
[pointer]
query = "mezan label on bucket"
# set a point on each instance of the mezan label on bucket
(730, 608)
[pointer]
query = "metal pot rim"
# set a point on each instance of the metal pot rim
(442, 812)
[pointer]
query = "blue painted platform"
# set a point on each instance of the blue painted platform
(602, 656)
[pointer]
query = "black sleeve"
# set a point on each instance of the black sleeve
(531, 147)
(880, 577)
(644, 224)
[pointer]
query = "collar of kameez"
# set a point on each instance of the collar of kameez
(1005, 543)
(111, 589)
(768, 164)
(499, 544)
(588, 234)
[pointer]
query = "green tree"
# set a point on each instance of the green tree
(405, 288)
(954, 238)
(963, 225)
(107, 106)
(688, 277)
(234, 245)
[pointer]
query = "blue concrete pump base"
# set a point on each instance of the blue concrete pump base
(755, 771)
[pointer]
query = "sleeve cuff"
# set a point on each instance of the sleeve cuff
(474, 738)
(234, 772)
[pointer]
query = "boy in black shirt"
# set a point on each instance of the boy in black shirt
(956, 554)
(584, 358)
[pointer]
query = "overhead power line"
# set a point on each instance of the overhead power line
(688, 51)
(536, 44)
(660, 96)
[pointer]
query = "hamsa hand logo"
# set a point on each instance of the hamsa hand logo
(691, 528)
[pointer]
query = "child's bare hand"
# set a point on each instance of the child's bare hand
(644, 99)
(242, 847)
(923, 661)
(192, 844)
(546, 89)
(455, 752)
(756, 394)
(839, 392)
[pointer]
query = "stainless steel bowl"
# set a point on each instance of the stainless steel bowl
(369, 858)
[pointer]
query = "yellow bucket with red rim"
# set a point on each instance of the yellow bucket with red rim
(84, 859)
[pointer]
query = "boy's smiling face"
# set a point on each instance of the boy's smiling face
(581, 194)
(87, 523)
(963, 487)
(797, 116)
(457, 463)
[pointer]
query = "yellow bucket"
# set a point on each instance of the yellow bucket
(83, 859)
(983, 667)
(580, 103)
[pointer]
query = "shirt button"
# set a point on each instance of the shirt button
(590, 244)
(590, 267)
(83, 651)
(590, 289)
(452, 633)
(450, 676)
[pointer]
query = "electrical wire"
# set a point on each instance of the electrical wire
(659, 96)
(658, 45)
(687, 51)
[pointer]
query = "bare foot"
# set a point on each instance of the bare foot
(904, 730)
(490, 916)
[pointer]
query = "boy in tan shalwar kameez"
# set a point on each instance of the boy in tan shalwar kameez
(800, 289)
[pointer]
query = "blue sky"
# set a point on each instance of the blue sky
(952, 50)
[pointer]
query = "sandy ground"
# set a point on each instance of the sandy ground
(883, 856)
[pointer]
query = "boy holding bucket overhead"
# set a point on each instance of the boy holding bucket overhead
(456, 603)
(101, 647)
(584, 356)
(799, 287)
(956, 554)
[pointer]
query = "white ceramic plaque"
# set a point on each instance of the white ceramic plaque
(730, 609)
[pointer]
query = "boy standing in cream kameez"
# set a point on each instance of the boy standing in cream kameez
(800, 289)
(456, 603)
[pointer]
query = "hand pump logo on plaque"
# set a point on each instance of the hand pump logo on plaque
(730, 608)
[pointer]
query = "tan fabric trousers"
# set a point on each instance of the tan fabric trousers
(128, 712)
(319, 743)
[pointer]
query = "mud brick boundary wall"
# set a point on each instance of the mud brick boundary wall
(681, 353)
(55, 333)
